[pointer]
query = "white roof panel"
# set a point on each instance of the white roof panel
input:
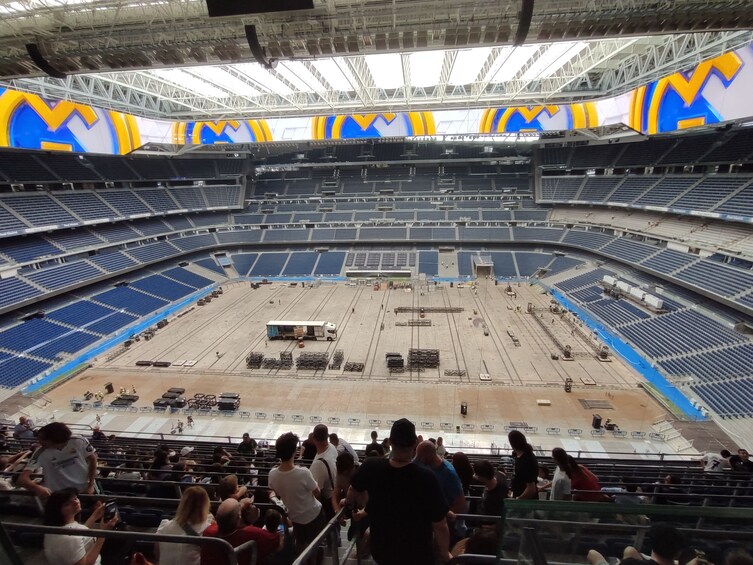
(468, 63)
(386, 69)
(425, 67)
(556, 55)
(263, 77)
(224, 79)
(306, 76)
(509, 63)
(335, 71)
(189, 80)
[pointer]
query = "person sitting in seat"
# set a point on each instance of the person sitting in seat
(229, 526)
(191, 519)
(24, 429)
(228, 488)
(247, 446)
(667, 492)
(61, 510)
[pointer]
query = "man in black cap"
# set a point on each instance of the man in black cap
(405, 504)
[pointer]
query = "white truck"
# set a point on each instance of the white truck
(296, 330)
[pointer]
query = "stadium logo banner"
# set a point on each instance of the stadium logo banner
(224, 131)
(359, 126)
(517, 119)
(28, 121)
(714, 91)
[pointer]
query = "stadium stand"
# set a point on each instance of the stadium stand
(131, 300)
(484, 195)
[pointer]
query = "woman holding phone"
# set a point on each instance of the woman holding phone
(62, 509)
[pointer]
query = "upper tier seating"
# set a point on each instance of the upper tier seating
(64, 275)
(595, 156)
(159, 199)
(153, 251)
(736, 148)
(645, 152)
(681, 149)
(13, 290)
(86, 205)
(74, 239)
(18, 166)
(687, 150)
(195, 168)
(113, 261)
(722, 193)
(70, 168)
(9, 221)
(113, 168)
(630, 189)
(27, 248)
(125, 202)
(56, 210)
(156, 169)
(667, 190)
(38, 209)
(560, 188)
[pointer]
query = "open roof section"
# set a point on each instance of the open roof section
(355, 56)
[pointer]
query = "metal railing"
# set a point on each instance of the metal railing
(228, 551)
(328, 534)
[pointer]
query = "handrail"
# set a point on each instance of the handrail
(638, 509)
(314, 545)
(625, 528)
(219, 543)
(200, 439)
(125, 500)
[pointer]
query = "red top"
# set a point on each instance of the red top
(584, 479)
(266, 544)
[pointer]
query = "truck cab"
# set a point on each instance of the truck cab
(330, 331)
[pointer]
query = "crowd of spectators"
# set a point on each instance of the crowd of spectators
(407, 497)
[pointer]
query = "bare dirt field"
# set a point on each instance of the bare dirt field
(217, 338)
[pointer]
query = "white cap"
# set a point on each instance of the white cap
(185, 451)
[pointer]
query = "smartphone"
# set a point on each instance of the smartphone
(111, 509)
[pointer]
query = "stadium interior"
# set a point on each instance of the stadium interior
(517, 217)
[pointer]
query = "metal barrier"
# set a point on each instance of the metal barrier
(328, 533)
(230, 553)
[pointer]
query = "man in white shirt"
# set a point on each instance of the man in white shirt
(324, 467)
(343, 446)
(716, 462)
(299, 492)
(65, 460)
